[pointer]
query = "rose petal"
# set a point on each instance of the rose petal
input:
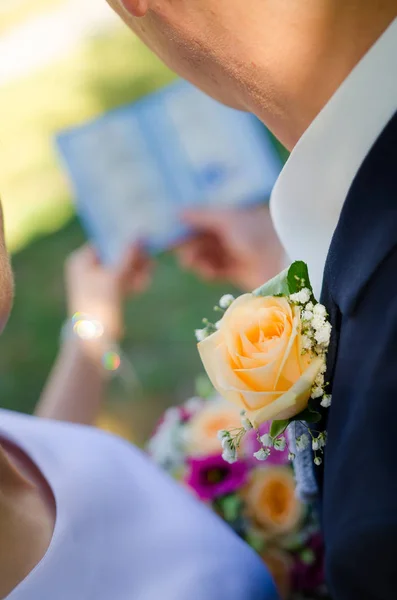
(216, 361)
(247, 347)
(252, 401)
(260, 379)
(206, 349)
(291, 402)
(290, 370)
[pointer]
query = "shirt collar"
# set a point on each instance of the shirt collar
(308, 197)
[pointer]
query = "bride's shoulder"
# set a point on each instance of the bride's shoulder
(130, 518)
(73, 449)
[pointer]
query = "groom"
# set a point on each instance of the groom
(322, 73)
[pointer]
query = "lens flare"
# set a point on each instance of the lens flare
(86, 328)
(111, 361)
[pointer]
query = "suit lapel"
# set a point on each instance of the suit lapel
(365, 234)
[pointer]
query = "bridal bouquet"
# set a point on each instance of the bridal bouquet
(267, 356)
(257, 499)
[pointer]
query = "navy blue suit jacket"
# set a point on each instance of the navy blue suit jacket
(358, 483)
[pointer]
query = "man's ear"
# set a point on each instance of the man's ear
(136, 8)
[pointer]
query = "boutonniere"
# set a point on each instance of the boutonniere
(267, 355)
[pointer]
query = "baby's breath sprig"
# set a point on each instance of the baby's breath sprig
(231, 440)
(316, 335)
(267, 442)
(226, 301)
(245, 422)
(209, 328)
(318, 442)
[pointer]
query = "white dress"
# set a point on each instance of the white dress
(124, 530)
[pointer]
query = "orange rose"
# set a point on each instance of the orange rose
(279, 565)
(201, 435)
(255, 358)
(272, 501)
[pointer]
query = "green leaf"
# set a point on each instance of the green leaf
(231, 507)
(278, 286)
(289, 281)
(307, 556)
(255, 540)
(278, 427)
(308, 415)
(298, 277)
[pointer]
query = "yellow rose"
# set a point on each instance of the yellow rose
(272, 501)
(255, 358)
(201, 434)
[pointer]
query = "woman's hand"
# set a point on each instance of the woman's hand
(99, 291)
(237, 245)
(77, 385)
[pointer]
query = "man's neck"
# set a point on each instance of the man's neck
(26, 519)
(312, 65)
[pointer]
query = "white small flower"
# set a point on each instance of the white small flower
(229, 453)
(280, 444)
(326, 401)
(246, 423)
(317, 461)
(266, 440)
(172, 415)
(194, 404)
(307, 315)
(291, 456)
(321, 441)
(302, 442)
(319, 381)
(323, 335)
(227, 443)
(184, 437)
(306, 342)
(262, 454)
(318, 322)
(166, 446)
(320, 310)
(317, 392)
(316, 444)
(201, 334)
(309, 306)
(301, 297)
(229, 456)
(218, 324)
(226, 301)
(223, 434)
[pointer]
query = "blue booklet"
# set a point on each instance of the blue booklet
(136, 169)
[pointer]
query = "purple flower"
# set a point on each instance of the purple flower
(309, 576)
(211, 477)
(252, 445)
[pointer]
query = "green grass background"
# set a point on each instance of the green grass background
(103, 73)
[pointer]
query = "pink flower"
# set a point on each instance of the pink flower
(309, 576)
(211, 477)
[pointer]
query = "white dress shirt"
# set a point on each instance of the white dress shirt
(309, 195)
(124, 530)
